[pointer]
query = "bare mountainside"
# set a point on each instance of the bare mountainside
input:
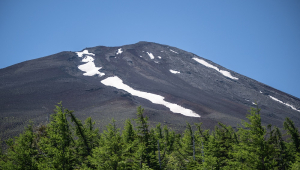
(174, 87)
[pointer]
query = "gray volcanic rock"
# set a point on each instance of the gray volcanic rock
(29, 90)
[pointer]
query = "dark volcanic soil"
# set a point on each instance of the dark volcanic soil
(29, 90)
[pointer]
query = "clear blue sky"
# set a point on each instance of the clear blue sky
(259, 39)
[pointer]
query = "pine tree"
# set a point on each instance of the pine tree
(166, 140)
(185, 152)
(175, 159)
(253, 151)
(220, 145)
(293, 131)
(201, 138)
(187, 143)
(109, 154)
(57, 147)
(130, 161)
(147, 146)
(282, 155)
(21, 153)
(92, 134)
(82, 144)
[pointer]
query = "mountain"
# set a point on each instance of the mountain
(174, 87)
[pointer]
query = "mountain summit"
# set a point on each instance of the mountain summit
(174, 87)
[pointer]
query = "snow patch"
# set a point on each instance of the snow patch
(291, 106)
(206, 64)
(119, 51)
(89, 67)
(173, 51)
(141, 56)
(80, 54)
(260, 91)
(225, 73)
(159, 57)
(174, 72)
(254, 103)
(156, 62)
(151, 55)
(154, 98)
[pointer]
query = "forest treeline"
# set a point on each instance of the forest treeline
(67, 143)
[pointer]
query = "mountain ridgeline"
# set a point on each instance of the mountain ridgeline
(172, 85)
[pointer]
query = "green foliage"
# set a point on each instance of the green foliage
(22, 152)
(67, 143)
(296, 164)
(130, 141)
(147, 143)
(293, 131)
(109, 153)
(58, 145)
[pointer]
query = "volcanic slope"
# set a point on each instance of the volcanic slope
(174, 87)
